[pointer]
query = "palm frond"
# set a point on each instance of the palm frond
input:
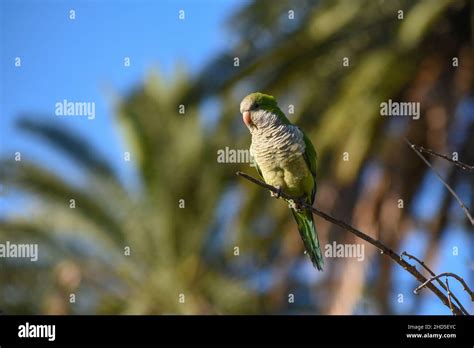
(71, 144)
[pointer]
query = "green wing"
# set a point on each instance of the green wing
(306, 226)
(310, 158)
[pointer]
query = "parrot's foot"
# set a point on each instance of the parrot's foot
(296, 206)
(277, 194)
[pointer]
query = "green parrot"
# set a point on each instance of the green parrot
(285, 158)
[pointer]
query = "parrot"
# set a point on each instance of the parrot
(286, 159)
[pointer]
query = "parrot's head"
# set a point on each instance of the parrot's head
(259, 110)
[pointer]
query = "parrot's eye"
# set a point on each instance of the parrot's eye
(255, 106)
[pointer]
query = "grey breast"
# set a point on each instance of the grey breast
(278, 144)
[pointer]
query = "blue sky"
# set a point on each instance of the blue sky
(82, 60)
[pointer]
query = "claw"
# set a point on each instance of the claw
(291, 204)
(277, 194)
(297, 206)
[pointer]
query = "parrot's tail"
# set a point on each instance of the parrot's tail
(308, 233)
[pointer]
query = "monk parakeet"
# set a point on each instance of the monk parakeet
(285, 158)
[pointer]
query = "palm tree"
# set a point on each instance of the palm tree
(122, 250)
(334, 62)
(189, 213)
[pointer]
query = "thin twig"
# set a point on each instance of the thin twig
(447, 158)
(461, 203)
(449, 296)
(379, 245)
(447, 274)
(422, 263)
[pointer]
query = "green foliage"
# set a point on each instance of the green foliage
(173, 250)
(165, 241)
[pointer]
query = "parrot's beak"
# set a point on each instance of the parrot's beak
(247, 120)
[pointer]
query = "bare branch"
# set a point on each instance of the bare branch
(422, 263)
(378, 244)
(449, 296)
(447, 274)
(461, 203)
(445, 287)
(447, 158)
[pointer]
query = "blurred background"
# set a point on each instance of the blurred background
(157, 216)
